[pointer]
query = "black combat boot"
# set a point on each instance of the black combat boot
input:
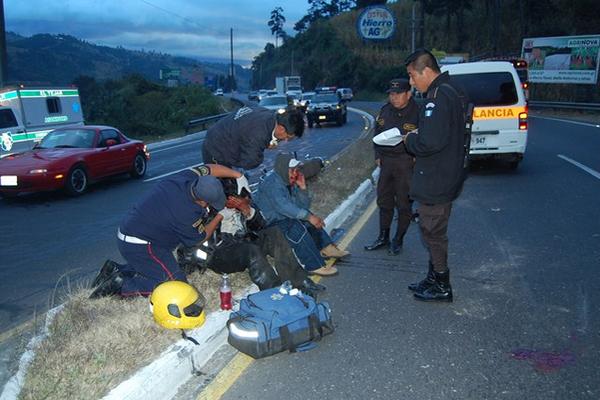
(107, 270)
(110, 286)
(396, 244)
(425, 283)
(383, 240)
(439, 291)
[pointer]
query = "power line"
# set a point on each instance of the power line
(170, 12)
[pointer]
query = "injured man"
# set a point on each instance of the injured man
(243, 242)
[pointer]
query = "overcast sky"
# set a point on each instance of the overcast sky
(193, 28)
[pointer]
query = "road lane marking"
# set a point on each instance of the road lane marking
(568, 121)
(590, 171)
(171, 173)
(173, 147)
(240, 362)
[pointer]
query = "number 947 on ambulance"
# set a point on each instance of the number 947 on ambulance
(500, 115)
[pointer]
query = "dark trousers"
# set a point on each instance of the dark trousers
(147, 267)
(433, 221)
(392, 192)
(273, 243)
(237, 255)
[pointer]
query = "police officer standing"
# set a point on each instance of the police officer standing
(396, 166)
(240, 139)
(439, 170)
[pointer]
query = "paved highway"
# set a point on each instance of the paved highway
(524, 258)
(51, 243)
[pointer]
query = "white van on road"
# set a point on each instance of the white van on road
(500, 113)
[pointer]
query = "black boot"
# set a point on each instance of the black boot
(439, 291)
(425, 283)
(396, 244)
(107, 270)
(383, 240)
(109, 287)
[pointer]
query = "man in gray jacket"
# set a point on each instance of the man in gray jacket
(240, 139)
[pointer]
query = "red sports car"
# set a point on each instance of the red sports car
(70, 158)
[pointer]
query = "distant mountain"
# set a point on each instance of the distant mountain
(46, 59)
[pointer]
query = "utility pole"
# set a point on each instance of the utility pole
(3, 63)
(413, 25)
(231, 52)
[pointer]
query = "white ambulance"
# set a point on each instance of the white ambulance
(500, 113)
(28, 114)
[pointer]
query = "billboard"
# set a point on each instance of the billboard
(564, 59)
(376, 23)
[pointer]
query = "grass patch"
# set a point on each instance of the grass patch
(94, 345)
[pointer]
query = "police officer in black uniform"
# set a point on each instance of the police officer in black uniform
(240, 139)
(439, 173)
(396, 166)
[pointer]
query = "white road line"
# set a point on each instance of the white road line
(570, 121)
(173, 147)
(590, 171)
(171, 173)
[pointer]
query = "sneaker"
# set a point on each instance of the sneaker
(324, 271)
(333, 251)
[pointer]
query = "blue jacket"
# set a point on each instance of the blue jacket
(278, 201)
(168, 215)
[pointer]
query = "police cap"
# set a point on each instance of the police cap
(399, 86)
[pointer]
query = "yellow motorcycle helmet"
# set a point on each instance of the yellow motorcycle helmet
(177, 305)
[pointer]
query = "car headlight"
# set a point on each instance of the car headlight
(338, 107)
(38, 171)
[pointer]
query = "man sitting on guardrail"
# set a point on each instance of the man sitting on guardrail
(240, 139)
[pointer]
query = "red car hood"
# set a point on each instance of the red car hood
(22, 163)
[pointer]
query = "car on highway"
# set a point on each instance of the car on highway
(345, 94)
(275, 102)
(71, 158)
(326, 106)
(253, 95)
(219, 92)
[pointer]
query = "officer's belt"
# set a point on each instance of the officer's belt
(130, 239)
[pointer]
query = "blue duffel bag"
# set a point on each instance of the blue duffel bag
(278, 319)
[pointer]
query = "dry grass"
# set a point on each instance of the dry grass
(95, 344)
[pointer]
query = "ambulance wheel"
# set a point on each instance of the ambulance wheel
(139, 166)
(77, 181)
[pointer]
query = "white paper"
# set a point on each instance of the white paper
(390, 137)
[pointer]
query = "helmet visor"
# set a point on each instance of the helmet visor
(195, 309)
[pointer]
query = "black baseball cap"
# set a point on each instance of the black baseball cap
(399, 85)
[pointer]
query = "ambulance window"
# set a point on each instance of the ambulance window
(488, 89)
(53, 104)
(7, 118)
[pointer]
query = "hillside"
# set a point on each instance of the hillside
(59, 59)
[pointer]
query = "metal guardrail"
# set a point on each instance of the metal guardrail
(565, 105)
(203, 121)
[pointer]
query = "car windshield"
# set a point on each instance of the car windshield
(78, 138)
(488, 89)
(307, 96)
(326, 98)
(273, 100)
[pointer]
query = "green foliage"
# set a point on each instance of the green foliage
(139, 107)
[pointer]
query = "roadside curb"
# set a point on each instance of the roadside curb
(163, 377)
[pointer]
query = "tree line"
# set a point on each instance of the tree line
(326, 49)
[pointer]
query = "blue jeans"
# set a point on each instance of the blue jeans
(306, 242)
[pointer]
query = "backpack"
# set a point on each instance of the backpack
(273, 320)
(467, 111)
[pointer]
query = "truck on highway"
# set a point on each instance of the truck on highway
(288, 85)
(28, 114)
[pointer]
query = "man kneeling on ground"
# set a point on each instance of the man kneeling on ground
(284, 200)
(175, 211)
